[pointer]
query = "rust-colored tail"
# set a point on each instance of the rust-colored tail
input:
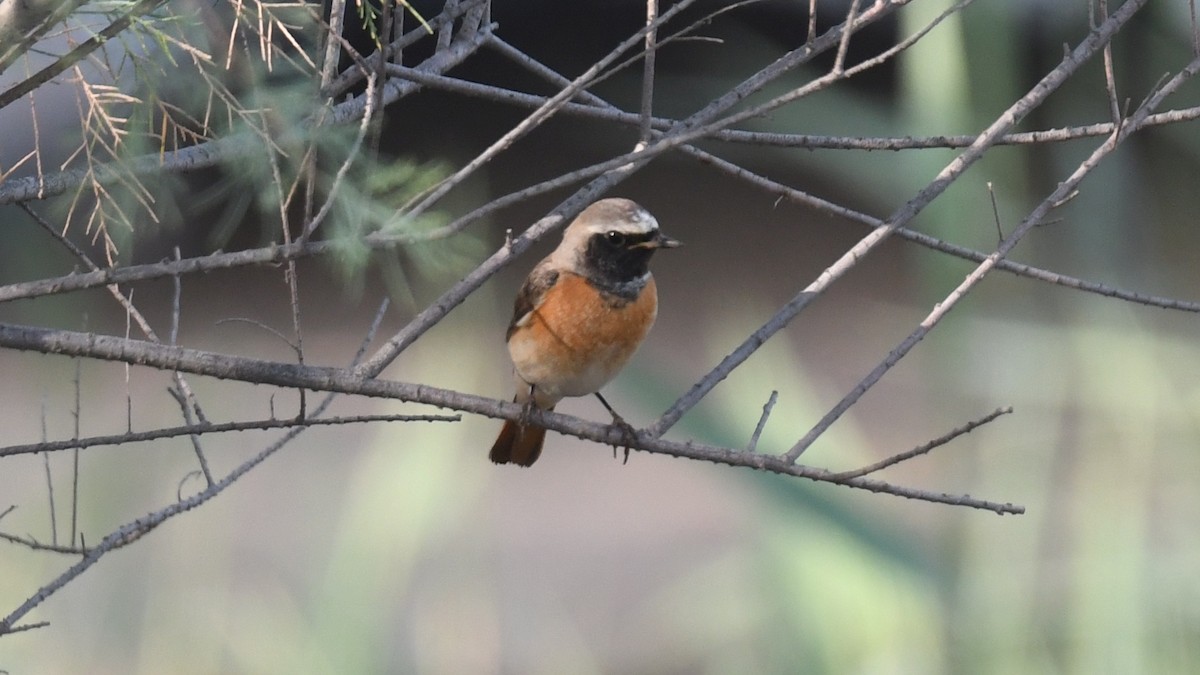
(520, 444)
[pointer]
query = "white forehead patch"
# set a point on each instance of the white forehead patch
(638, 221)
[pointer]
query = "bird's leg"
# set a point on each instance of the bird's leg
(626, 428)
(527, 409)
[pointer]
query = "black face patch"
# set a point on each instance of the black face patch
(613, 259)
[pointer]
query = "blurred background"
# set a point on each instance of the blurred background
(400, 548)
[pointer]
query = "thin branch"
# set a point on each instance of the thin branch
(203, 428)
(35, 545)
(26, 627)
(372, 331)
(332, 37)
(839, 61)
(176, 302)
(595, 108)
(762, 421)
(75, 459)
(649, 52)
(49, 483)
(274, 332)
(183, 394)
(1019, 269)
(995, 212)
(925, 448)
(371, 98)
(1195, 28)
(812, 22)
(1110, 78)
(186, 410)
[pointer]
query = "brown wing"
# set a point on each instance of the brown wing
(540, 280)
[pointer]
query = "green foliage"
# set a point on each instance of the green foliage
(371, 16)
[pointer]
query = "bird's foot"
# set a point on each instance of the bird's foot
(526, 413)
(628, 436)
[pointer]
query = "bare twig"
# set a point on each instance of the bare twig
(762, 421)
(812, 21)
(183, 393)
(1195, 28)
(1110, 78)
(194, 438)
(1020, 269)
(332, 37)
(372, 99)
(839, 61)
(648, 58)
(27, 626)
(35, 545)
(49, 482)
(75, 459)
(995, 212)
(925, 448)
(201, 428)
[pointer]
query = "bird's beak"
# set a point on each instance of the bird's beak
(660, 240)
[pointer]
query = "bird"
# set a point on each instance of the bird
(579, 317)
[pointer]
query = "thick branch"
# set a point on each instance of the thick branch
(345, 381)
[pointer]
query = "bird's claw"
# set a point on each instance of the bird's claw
(526, 412)
(628, 435)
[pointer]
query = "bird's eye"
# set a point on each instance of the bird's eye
(615, 238)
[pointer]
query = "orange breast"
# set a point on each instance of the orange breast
(577, 340)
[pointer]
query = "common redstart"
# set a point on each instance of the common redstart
(580, 316)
